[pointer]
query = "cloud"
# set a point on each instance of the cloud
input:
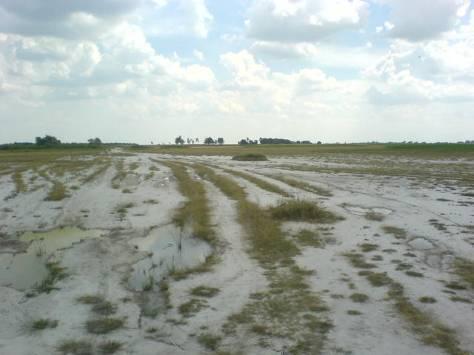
(437, 16)
(303, 20)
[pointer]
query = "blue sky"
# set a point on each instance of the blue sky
(150, 70)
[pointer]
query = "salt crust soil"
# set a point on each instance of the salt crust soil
(104, 265)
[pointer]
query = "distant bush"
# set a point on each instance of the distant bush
(250, 157)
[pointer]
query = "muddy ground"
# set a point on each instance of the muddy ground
(113, 235)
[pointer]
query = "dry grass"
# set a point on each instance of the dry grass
(104, 325)
(75, 347)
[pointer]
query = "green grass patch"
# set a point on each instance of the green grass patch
(427, 299)
(309, 238)
(55, 273)
(368, 247)
(299, 210)
(90, 299)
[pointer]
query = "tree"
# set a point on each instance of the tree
(47, 140)
(179, 140)
(95, 141)
(209, 140)
(220, 140)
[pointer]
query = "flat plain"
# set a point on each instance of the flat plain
(330, 249)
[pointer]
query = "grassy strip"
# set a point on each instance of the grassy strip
(20, 185)
(428, 329)
(264, 185)
(301, 185)
(119, 175)
(195, 212)
(288, 309)
(250, 157)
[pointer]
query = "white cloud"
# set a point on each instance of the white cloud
(303, 20)
(418, 20)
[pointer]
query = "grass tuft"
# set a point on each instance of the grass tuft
(359, 297)
(57, 192)
(398, 233)
(110, 347)
(209, 341)
(465, 270)
(42, 323)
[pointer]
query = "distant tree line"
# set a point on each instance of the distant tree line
(209, 140)
(273, 141)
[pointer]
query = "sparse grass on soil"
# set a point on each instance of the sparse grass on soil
(110, 347)
(193, 306)
(264, 185)
(42, 324)
(196, 213)
(465, 270)
(374, 216)
(309, 238)
(204, 291)
(359, 297)
(90, 299)
(250, 157)
(57, 192)
(104, 308)
(368, 247)
(209, 341)
(55, 273)
(398, 233)
(288, 309)
(20, 185)
(428, 329)
(104, 325)
(75, 347)
(299, 210)
(427, 299)
(302, 185)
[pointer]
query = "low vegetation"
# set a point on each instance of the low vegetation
(209, 341)
(465, 270)
(42, 324)
(359, 297)
(193, 306)
(250, 157)
(110, 347)
(264, 185)
(204, 291)
(398, 233)
(57, 192)
(302, 185)
(20, 185)
(104, 325)
(55, 273)
(75, 347)
(288, 309)
(299, 210)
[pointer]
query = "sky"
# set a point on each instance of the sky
(322, 70)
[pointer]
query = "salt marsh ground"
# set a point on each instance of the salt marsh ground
(317, 250)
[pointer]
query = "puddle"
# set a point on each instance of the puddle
(169, 250)
(421, 243)
(23, 270)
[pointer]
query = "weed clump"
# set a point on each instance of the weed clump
(398, 233)
(110, 347)
(465, 269)
(427, 299)
(90, 299)
(42, 323)
(192, 307)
